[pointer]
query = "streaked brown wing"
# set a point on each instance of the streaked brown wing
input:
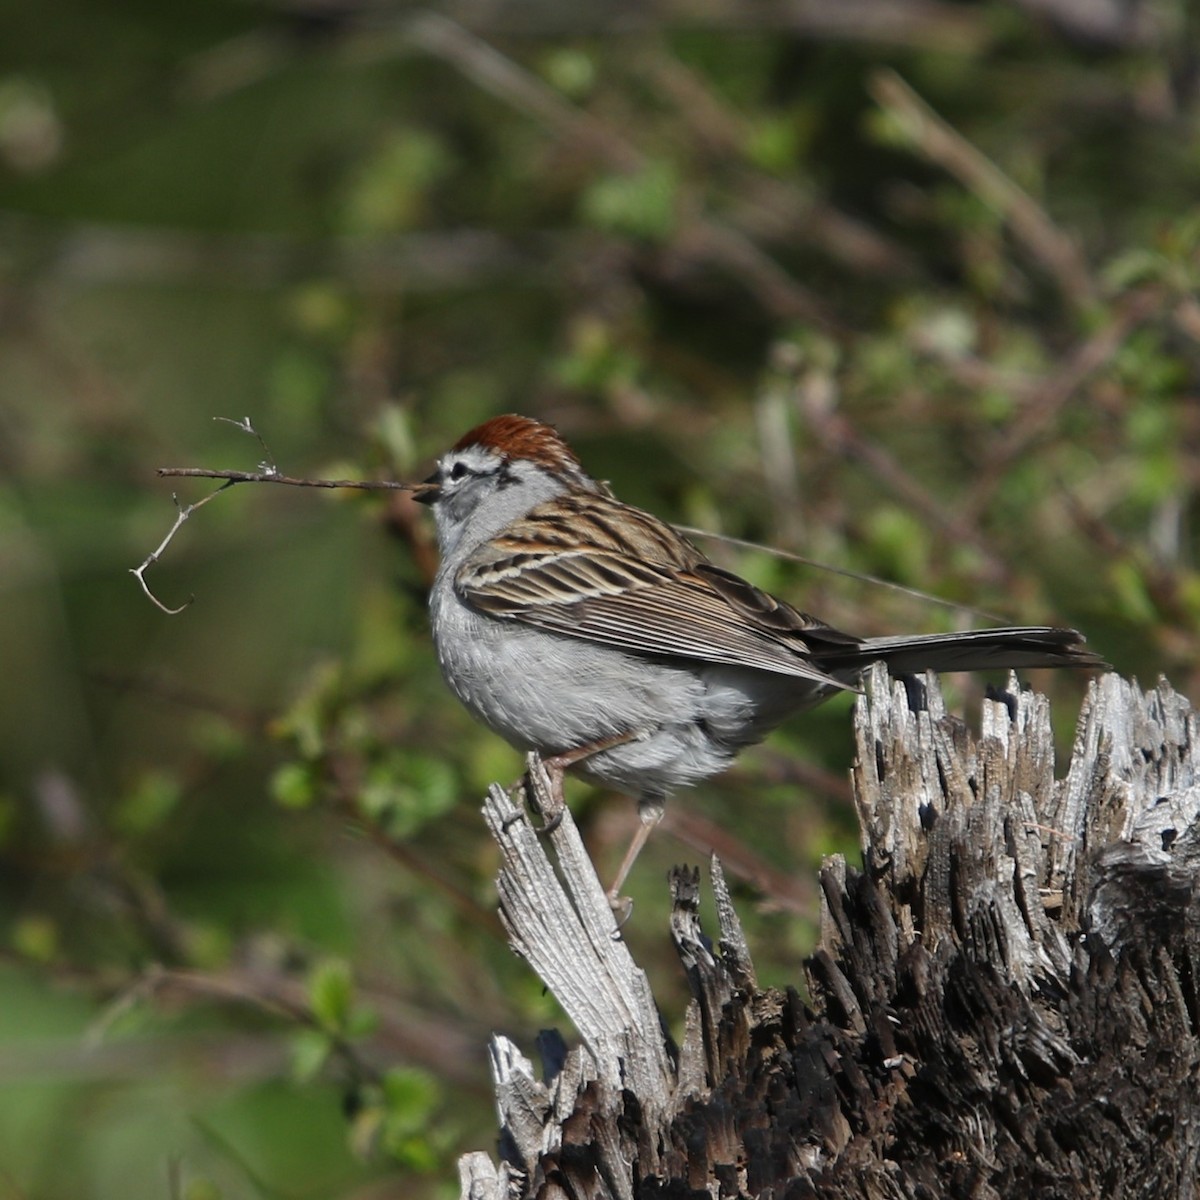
(667, 600)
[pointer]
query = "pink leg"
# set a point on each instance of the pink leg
(559, 764)
(650, 808)
(568, 758)
(650, 811)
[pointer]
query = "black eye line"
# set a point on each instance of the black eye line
(507, 476)
(458, 470)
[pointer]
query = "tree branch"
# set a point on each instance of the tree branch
(939, 142)
(364, 485)
(267, 473)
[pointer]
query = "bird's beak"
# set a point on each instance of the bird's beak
(428, 491)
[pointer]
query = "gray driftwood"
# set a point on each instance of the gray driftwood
(1005, 999)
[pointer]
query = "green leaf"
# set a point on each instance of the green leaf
(362, 1023)
(406, 791)
(410, 1094)
(410, 1098)
(331, 994)
(306, 721)
(1132, 267)
(36, 937)
(150, 803)
(201, 1188)
(596, 359)
(1130, 596)
(640, 205)
(570, 71)
(293, 786)
(899, 543)
(950, 329)
(393, 431)
(392, 189)
(310, 1052)
(774, 144)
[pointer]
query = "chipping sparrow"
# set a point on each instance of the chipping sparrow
(595, 634)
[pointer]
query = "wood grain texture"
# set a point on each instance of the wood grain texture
(1004, 1000)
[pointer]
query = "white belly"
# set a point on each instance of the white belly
(540, 691)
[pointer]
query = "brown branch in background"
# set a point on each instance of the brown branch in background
(93, 253)
(1186, 316)
(257, 54)
(703, 240)
(1114, 25)
(405, 1032)
(417, 864)
(347, 792)
(500, 76)
(700, 238)
(404, 519)
(764, 205)
(923, 24)
(783, 891)
(162, 690)
(839, 435)
(1046, 398)
(1164, 585)
(1031, 225)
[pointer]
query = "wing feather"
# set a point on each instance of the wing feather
(663, 597)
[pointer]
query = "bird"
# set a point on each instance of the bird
(592, 632)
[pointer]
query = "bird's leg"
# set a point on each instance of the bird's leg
(545, 792)
(650, 812)
(556, 766)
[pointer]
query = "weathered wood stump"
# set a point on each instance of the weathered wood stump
(1005, 1000)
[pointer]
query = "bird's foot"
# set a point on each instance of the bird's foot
(544, 785)
(622, 909)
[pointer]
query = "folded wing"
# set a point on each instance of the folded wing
(637, 586)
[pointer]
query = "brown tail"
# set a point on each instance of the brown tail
(975, 650)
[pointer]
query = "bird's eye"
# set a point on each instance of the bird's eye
(458, 470)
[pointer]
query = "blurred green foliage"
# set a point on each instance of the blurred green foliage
(912, 293)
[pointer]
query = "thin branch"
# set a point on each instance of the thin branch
(839, 435)
(767, 208)
(182, 515)
(247, 426)
(267, 472)
(700, 238)
(942, 144)
(231, 477)
(1045, 400)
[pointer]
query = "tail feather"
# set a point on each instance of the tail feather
(973, 650)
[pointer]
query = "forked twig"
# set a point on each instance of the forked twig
(182, 515)
(267, 472)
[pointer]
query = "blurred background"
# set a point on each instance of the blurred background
(904, 286)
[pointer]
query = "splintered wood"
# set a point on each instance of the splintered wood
(1004, 1000)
